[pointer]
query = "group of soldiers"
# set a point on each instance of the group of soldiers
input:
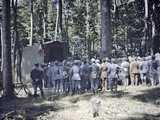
(79, 76)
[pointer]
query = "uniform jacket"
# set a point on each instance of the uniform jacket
(134, 67)
(103, 70)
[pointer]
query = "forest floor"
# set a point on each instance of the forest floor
(130, 103)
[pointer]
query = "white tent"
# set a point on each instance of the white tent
(31, 55)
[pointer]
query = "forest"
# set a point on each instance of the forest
(133, 25)
(89, 29)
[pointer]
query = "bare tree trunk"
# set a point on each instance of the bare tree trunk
(88, 29)
(19, 60)
(44, 28)
(6, 39)
(153, 29)
(31, 20)
(45, 5)
(106, 43)
(66, 21)
(156, 26)
(15, 38)
(1, 50)
(61, 20)
(146, 37)
(57, 21)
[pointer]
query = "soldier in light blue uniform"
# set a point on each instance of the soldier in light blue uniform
(51, 82)
(158, 60)
(144, 71)
(61, 67)
(84, 72)
(113, 76)
(57, 76)
(153, 71)
(94, 75)
(125, 72)
(66, 84)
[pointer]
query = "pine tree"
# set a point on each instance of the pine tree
(6, 46)
(106, 42)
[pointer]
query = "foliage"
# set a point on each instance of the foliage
(127, 24)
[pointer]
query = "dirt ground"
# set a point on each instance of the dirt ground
(131, 103)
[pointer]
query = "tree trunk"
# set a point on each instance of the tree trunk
(61, 20)
(31, 20)
(88, 30)
(146, 37)
(57, 21)
(6, 39)
(45, 2)
(15, 40)
(1, 50)
(156, 27)
(66, 26)
(44, 28)
(106, 43)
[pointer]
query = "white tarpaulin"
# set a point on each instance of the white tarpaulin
(31, 55)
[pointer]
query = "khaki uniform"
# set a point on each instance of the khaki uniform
(103, 76)
(134, 72)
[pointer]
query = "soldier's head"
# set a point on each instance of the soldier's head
(124, 59)
(76, 62)
(56, 62)
(109, 59)
(36, 65)
(104, 60)
(153, 57)
(93, 60)
(129, 58)
(144, 59)
(85, 61)
(43, 65)
(97, 61)
(157, 54)
(139, 58)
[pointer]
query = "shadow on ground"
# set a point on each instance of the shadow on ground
(118, 94)
(88, 96)
(28, 108)
(149, 96)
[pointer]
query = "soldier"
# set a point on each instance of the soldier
(153, 71)
(94, 75)
(158, 60)
(66, 77)
(103, 75)
(144, 70)
(98, 63)
(69, 66)
(84, 72)
(60, 67)
(57, 76)
(75, 78)
(45, 69)
(49, 75)
(113, 76)
(37, 76)
(134, 71)
(125, 71)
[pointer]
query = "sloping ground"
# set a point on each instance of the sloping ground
(132, 103)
